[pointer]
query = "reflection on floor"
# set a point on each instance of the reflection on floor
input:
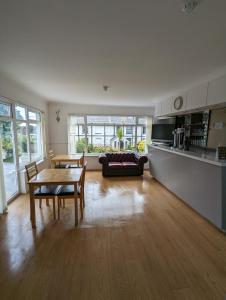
(137, 241)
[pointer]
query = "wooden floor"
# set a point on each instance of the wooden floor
(137, 241)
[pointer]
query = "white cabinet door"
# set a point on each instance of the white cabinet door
(167, 106)
(197, 97)
(217, 91)
(183, 107)
(158, 109)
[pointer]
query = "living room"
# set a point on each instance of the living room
(113, 149)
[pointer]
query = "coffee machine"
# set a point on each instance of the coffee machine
(179, 138)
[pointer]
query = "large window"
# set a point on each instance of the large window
(21, 138)
(29, 137)
(96, 134)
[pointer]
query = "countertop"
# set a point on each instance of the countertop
(201, 156)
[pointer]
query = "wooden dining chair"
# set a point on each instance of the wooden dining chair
(48, 192)
(67, 192)
(80, 164)
(60, 165)
(51, 154)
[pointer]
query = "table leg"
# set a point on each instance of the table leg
(32, 206)
(76, 204)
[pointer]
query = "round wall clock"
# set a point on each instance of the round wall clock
(178, 103)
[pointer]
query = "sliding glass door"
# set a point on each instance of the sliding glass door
(21, 137)
(9, 162)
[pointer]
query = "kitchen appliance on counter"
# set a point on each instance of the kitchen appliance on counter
(162, 131)
(179, 138)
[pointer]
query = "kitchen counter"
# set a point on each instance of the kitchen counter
(199, 179)
(204, 156)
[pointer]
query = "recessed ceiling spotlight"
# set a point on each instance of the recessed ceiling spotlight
(106, 87)
(188, 6)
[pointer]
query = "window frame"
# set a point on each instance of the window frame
(14, 120)
(133, 136)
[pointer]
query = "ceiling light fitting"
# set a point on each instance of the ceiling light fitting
(106, 87)
(189, 5)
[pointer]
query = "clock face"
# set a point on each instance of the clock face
(178, 103)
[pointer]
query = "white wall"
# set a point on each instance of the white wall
(17, 93)
(14, 92)
(58, 134)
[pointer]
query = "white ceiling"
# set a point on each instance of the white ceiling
(67, 50)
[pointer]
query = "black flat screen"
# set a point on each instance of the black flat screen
(162, 132)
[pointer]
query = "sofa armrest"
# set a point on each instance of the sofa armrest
(103, 159)
(143, 159)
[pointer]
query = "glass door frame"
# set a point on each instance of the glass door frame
(14, 141)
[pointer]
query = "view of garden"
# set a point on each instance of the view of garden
(99, 134)
(27, 135)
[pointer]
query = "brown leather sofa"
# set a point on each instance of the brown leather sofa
(122, 164)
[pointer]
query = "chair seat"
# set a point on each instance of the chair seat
(61, 166)
(68, 190)
(72, 166)
(47, 190)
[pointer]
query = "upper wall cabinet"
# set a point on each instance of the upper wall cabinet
(167, 106)
(179, 102)
(217, 91)
(196, 98)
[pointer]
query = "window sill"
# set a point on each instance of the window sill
(98, 154)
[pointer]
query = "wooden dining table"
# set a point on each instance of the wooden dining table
(66, 158)
(54, 177)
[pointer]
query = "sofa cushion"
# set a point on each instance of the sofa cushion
(115, 165)
(129, 164)
(120, 157)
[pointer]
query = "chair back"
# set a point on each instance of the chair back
(51, 154)
(31, 170)
(82, 180)
(82, 160)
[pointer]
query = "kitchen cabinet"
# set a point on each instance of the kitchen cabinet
(183, 107)
(197, 97)
(217, 91)
(167, 106)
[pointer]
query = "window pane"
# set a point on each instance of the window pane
(139, 130)
(80, 144)
(20, 113)
(129, 130)
(82, 130)
(109, 141)
(35, 141)
(142, 121)
(9, 165)
(72, 143)
(109, 130)
(98, 130)
(75, 120)
(5, 110)
(98, 140)
(32, 115)
(102, 133)
(22, 143)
